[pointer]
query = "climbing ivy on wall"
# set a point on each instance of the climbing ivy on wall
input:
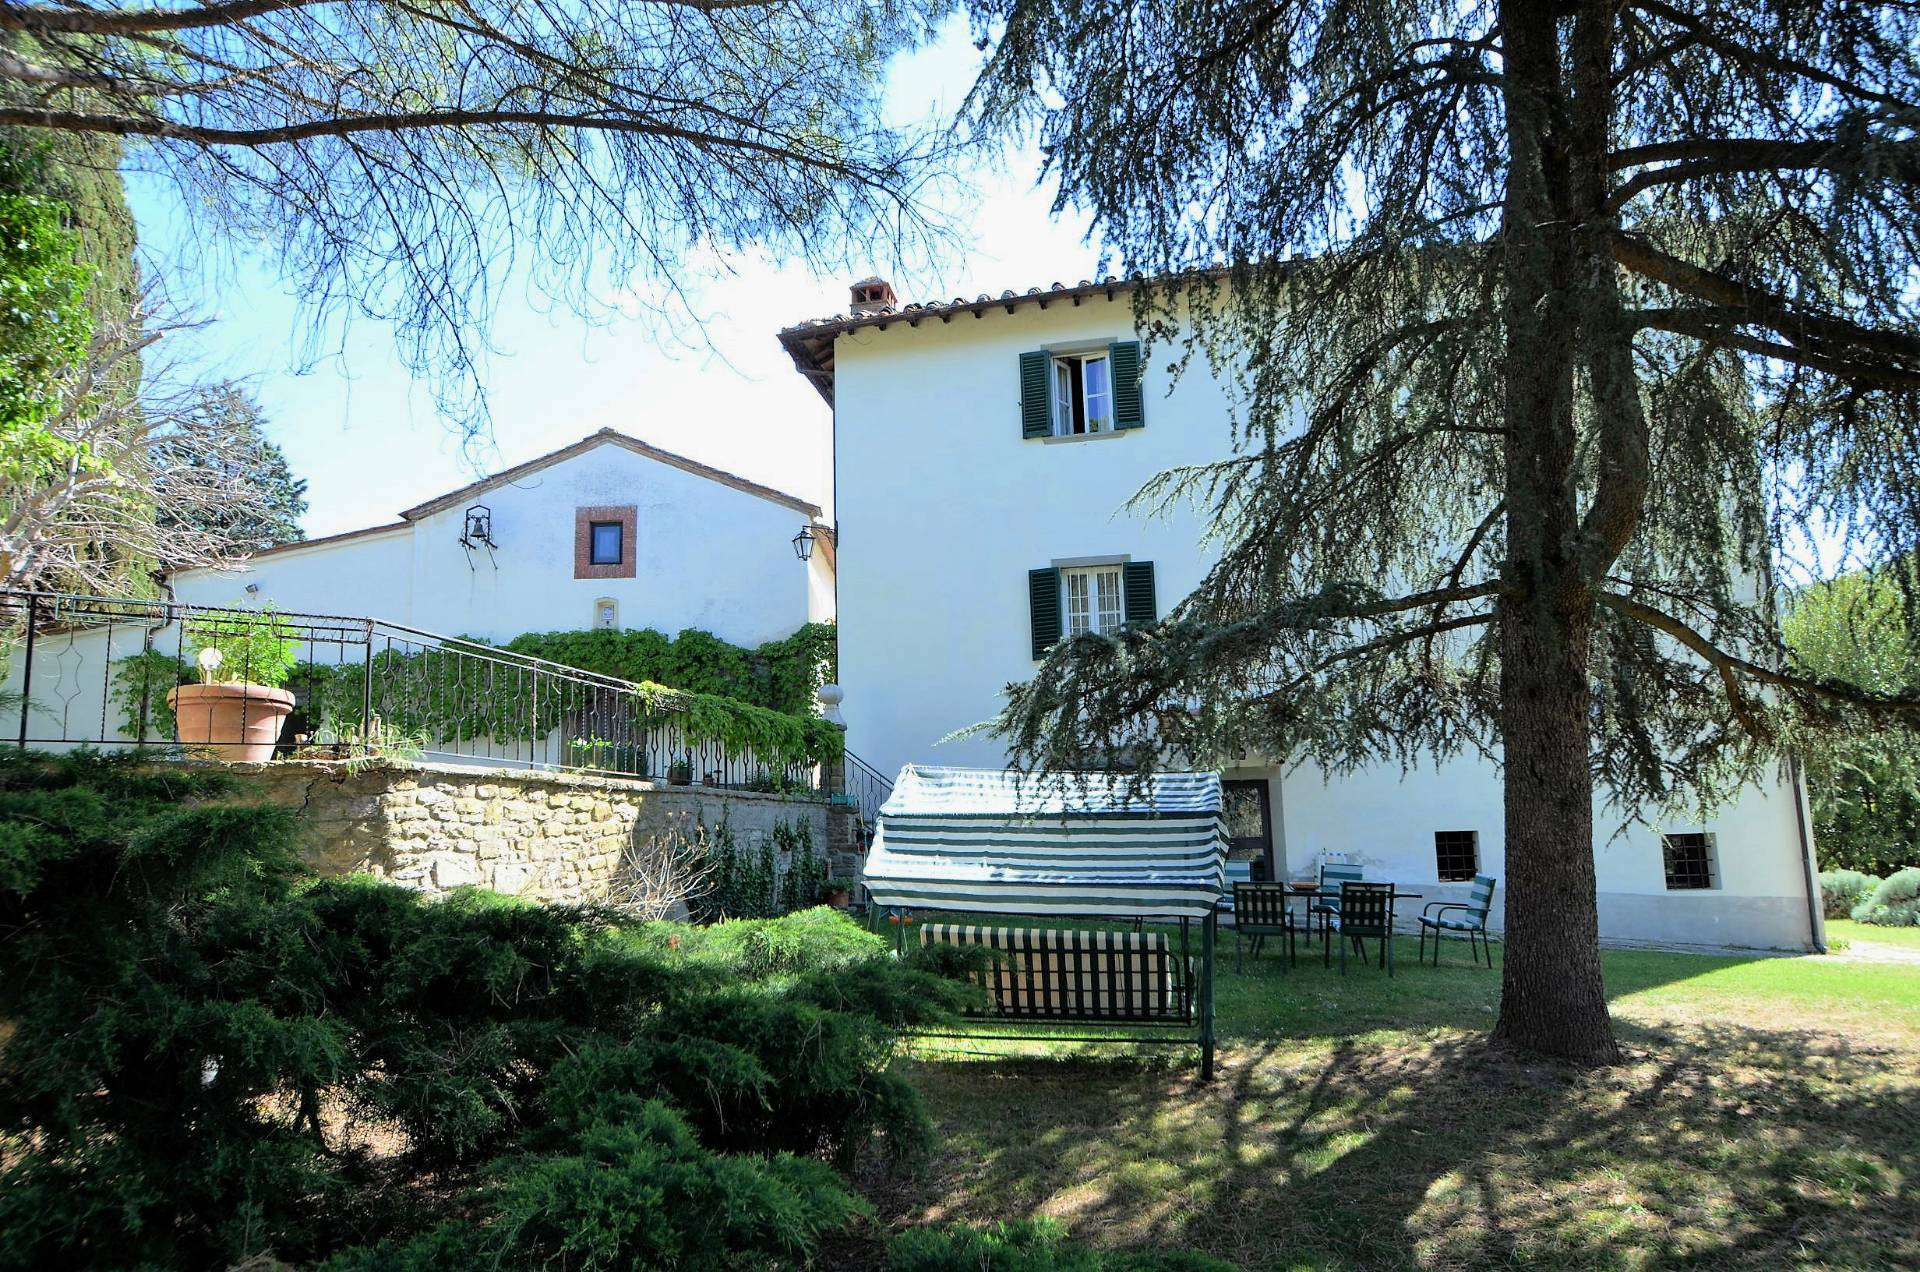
(778, 875)
(780, 675)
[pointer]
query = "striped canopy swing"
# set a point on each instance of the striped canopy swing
(1064, 846)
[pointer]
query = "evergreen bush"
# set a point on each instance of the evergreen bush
(1894, 902)
(216, 1057)
(1841, 890)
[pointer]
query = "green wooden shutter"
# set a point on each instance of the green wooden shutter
(1043, 601)
(1036, 394)
(1138, 591)
(1123, 359)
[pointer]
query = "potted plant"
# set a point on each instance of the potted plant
(237, 710)
(837, 893)
(680, 773)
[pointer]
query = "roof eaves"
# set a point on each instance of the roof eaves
(626, 442)
(810, 343)
(365, 532)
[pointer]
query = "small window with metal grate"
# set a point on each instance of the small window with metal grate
(1456, 854)
(1689, 859)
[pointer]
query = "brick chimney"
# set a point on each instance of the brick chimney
(874, 296)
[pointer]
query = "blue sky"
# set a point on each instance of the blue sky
(367, 438)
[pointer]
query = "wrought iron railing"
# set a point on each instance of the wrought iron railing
(98, 671)
(866, 790)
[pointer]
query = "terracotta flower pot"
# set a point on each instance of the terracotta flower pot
(234, 722)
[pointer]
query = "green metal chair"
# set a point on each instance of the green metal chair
(1260, 910)
(1471, 921)
(1328, 907)
(1366, 909)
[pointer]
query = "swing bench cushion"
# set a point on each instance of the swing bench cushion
(1060, 974)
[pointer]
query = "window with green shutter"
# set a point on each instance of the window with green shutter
(1077, 394)
(1036, 394)
(1129, 411)
(1101, 598)
(1141, 604)
(1043, 605)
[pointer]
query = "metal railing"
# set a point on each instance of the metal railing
(99, 671)
(866, 791)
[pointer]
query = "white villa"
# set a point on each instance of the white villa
(608, 531)
(982, 454)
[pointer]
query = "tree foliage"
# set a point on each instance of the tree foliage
(227, 446)
(1550, 327)
(45, 324)
(402, 160)
(81, 171)
(1865, 783)
(115, 470)
(213, 1057)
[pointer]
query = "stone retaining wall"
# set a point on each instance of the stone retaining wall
(546, 836)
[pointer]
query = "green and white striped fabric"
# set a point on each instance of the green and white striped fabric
(1085, 844)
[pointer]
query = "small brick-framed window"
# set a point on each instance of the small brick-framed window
(1456, 855)
(606, 543)
(603, 542)
(1689, 859)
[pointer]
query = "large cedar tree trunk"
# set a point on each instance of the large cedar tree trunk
(1552, 998)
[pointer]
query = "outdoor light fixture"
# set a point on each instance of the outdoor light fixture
(803, 543)
(476, 531)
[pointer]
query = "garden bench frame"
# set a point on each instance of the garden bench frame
(1048, 977)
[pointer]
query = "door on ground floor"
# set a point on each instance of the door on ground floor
(1249, 813)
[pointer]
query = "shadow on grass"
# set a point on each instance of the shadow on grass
(1272, 999)
(1728, 1146)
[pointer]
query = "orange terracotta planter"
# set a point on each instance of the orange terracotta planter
(235, 722)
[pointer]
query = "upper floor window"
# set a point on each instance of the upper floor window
(1082, 394)
(609, 546)
(604, 542)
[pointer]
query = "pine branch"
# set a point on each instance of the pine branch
(1716, 326)
(1735, 51)
(413, 121)
(109, 22)
(1747, 303)
(1732, 668)
(1726, 157)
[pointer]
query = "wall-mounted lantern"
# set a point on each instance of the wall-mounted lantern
(476, 531)
(803, 543)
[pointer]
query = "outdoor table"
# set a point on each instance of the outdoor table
(1310, 895)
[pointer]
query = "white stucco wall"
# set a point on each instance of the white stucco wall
(707, 556)
(944, 508)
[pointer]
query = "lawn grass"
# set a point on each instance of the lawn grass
(1768, 1115)
(1905, 937)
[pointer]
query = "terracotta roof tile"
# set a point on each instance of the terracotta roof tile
(810, 342)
